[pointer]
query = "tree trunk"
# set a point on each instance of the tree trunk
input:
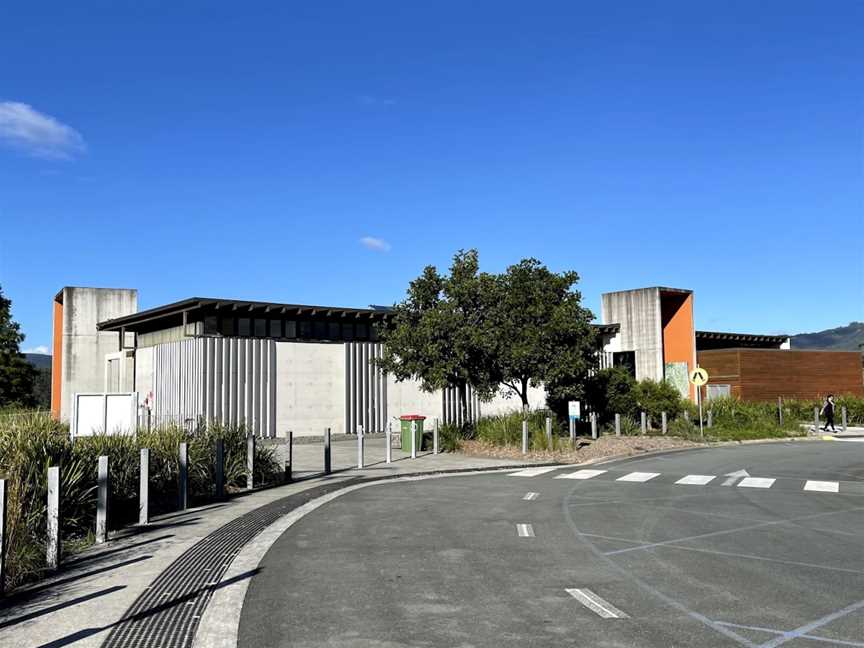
(524, 395)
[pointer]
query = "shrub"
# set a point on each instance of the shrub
(655, 397)
(611, 391)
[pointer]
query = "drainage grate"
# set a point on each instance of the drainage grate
(166, 614)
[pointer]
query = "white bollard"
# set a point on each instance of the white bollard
(435, 437)
(549, 432)
(594, 425)
(413, 439)
(617, 425)
(843, 414)
(102, 501)
(360, 446)
(144, 487)
(388, 450)
(663, 421)
(52, 549)
(644, 424)
(183, 485)
(815, 418)
(524, 437)
(572, 429)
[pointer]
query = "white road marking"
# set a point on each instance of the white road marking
(531, 496)
(533, 472)
(638, 477)
(525, 530)
(756, 482)
(581, 474)
(596, 604)
(733, 477)
(696, 480)
(822, 486)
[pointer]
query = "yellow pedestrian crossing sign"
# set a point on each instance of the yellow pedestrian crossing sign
(698, 376)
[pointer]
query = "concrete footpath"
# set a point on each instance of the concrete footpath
(89, 595)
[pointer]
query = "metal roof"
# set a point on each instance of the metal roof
(740, 337)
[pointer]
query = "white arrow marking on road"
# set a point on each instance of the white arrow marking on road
(525, 530)
(733, 476)
(530, 496)
(596, 604)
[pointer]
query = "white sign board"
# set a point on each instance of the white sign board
(574, 409)
(105, 413)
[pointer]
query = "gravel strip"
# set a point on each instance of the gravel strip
(602, 448)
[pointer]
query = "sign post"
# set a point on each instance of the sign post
(574, 412)
(699, 377)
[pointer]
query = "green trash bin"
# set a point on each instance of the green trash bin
(406, 422)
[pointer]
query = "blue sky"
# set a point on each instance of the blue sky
(248, 149)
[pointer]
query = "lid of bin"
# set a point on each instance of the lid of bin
(412, 417)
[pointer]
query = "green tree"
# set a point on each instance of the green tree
(612, 391)
(541, 332)
(16, 374)
(437, 335)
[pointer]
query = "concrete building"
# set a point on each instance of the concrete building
(276, 367)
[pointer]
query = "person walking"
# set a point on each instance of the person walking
(828, 413)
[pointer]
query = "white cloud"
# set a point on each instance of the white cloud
(25, 128)
(39, 349)
(376, 244)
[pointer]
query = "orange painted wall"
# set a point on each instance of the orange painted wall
(57, 360)
(679, 343)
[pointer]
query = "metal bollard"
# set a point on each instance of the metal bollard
(843, 415)
(360, 446)
(183, 485)
(435, 438)
(815, 418)
(102, 501)
(617, 424)
(250, 461)
(710, 418)
(289, 466)
(4, 500)
(388, 449)
(780, 410)
(413, 439)
(644, 424)
(144, 487)
(594, 432)
(327, 469)
(524, 437)
(549, 432)
(52, 549)
(663, 421)
(572, 430)
(220, 469)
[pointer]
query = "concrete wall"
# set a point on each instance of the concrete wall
(638, 313)
(310, 388)
(82, 348)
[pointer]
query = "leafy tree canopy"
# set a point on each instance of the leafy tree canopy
(16, 374)
(523, 327)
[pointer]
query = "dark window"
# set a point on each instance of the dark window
(260, 328)
(347, 331)
(626, 359)
(226, 326)
(290, 329)
(276, 328)
(320, 330)
(362, 331)
(373, 332)
(335, 331)
(244, 327)
(211, 325)
(305, 329)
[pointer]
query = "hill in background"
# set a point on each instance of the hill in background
(843, 338)
(39, 360)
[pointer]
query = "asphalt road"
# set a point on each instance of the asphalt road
(598, 562)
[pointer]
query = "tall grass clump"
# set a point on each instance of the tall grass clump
(31, 443)
(505, 430)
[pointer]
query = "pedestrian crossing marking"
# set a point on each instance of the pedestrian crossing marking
(533, 472)
(638, 477)
(822, 486)
(581, 474)
(756, 482)
(696, 480)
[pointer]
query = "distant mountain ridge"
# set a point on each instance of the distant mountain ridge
(39, 360)
(842, 338)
